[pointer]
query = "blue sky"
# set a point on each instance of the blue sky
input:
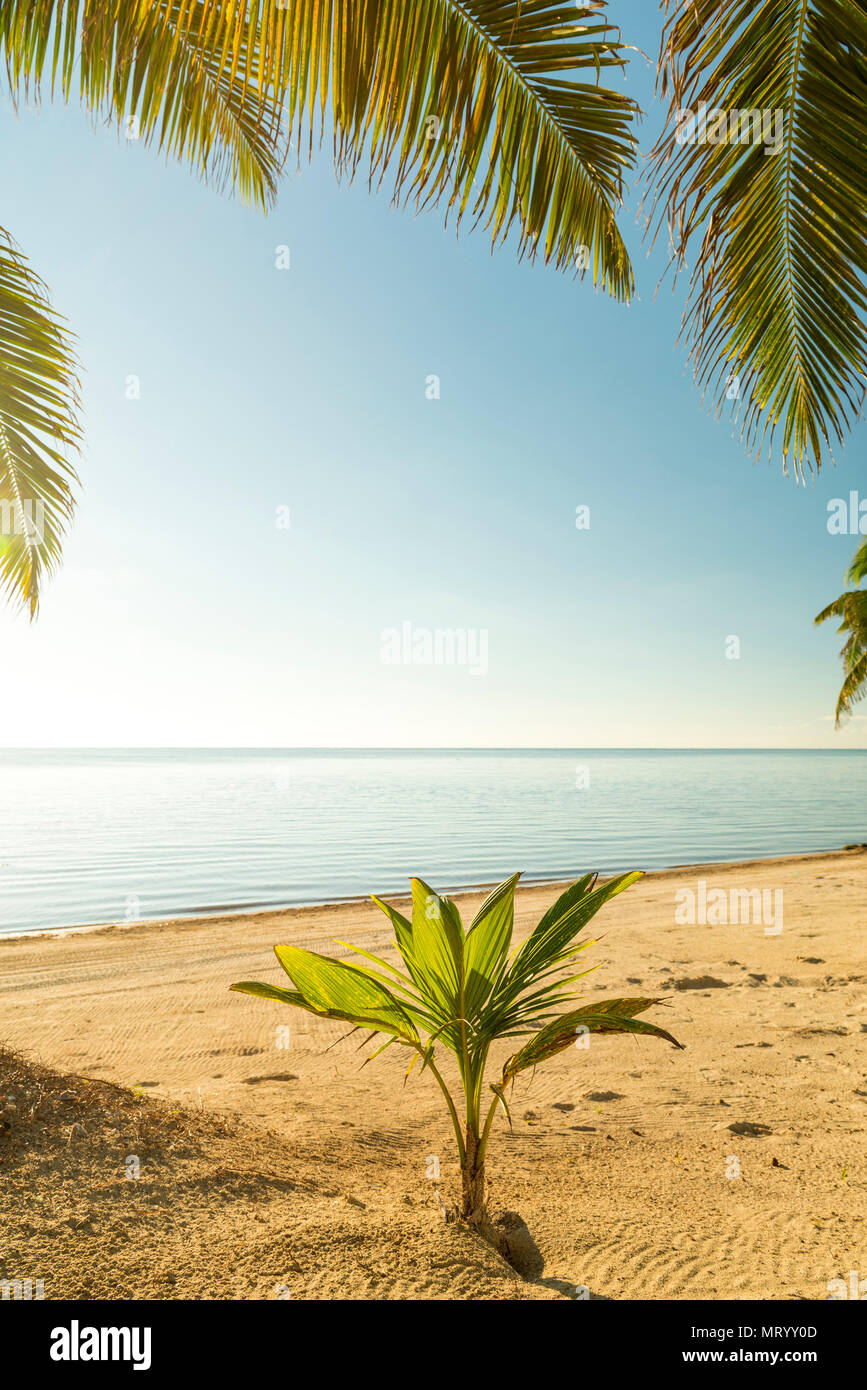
(185, 615)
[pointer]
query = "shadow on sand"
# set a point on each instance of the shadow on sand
(520, 1250)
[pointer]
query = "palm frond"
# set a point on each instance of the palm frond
(775, 315)
(487, 943)
(343, 991)
(833, 610)
(496, 109)
(858, 568)
(851, 608)
(200, 79)
(854, 687)
(551, 944)
(38, 425)
(475, 102)
(608, 1016)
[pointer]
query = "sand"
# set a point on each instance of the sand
(273, 1165)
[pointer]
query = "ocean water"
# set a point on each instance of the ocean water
(103, 836)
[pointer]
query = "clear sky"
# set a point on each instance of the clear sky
(185, 615)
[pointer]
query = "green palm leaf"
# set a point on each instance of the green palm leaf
(858, 568)
(777, 291)
(854, 687)
(851, 608)
(609, 1016)
(550, 946)
(497, 109)
(282, 996)
(438, 948)
(487, 943)
(338, 990)
(38, 424)
(402, 928)
(200, 79)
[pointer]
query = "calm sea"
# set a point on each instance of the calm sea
(105, 836)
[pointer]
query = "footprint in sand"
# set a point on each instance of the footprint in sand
(602, 1095)
(697, 982)
(275, 1076)
(748, 1127)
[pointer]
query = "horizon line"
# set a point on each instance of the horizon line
(421, 748)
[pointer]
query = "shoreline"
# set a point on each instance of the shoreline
(198, 918)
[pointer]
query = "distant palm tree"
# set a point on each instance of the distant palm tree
(851, 608)
(470, 101)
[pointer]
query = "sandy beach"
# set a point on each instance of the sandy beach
(735, 1169)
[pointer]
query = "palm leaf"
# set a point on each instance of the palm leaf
(402, 929)
(609, 1016)
(535, 1007)
(834, 610)
(851, 608)
(336, 990)
(407, 996)
(854, 687)
(200, 79)
(38, 423)
(777, 293)
(858, 568)
(496, 109)
(550, 945)
(386, 973)
(282, 996)
(487, 943)
(438, 950)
